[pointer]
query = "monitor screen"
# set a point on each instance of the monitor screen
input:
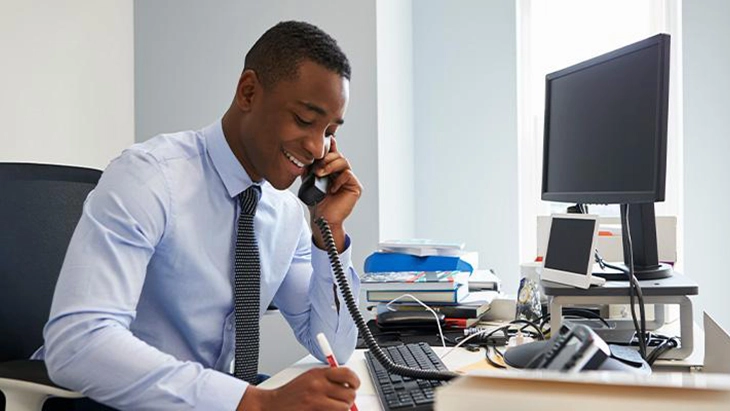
(606, 127)
(569, 245)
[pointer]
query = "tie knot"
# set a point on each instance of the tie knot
(248, 199)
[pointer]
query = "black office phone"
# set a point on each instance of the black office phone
(313, 188)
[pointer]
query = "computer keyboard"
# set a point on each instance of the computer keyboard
(401, 393)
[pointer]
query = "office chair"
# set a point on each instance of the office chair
(40, 206)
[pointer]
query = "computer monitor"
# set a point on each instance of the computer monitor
(605, 139)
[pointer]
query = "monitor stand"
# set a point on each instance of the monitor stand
(674, 290)
(642, 224)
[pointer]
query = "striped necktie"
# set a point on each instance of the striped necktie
(247, 285)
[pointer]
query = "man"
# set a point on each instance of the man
(143, 316)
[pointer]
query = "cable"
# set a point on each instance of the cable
(435, 316)
(372, 345)
(488, 332)
(634, 287)
(665, 346)
(603, 264)
(492, 362)
(634, 283)
(530, 324)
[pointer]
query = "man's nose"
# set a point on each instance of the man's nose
(316, 146)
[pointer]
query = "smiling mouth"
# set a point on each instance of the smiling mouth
(293, 159)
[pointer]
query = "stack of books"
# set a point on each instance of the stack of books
(466, 313)
(435, 287)
(436, 273)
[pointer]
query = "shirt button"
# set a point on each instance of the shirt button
(229, 326)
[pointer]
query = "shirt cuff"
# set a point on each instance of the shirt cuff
(221, 392)
(320, 258)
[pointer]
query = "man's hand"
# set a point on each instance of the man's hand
(317, 389)
(344, 191)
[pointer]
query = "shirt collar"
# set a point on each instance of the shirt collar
(230, 170)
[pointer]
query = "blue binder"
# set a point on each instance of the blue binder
(384, 262)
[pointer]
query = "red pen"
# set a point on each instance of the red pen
(324, 345)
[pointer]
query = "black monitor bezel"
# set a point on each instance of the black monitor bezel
(616, 197)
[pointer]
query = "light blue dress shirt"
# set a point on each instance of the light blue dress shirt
(143, 317)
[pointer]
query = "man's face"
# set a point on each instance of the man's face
(288, 123)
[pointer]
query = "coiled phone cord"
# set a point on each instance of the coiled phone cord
(372, 345)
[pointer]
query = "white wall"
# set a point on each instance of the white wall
(188, 57)
(67, 81)
(395, 119)
(465, 88)
(706, 29)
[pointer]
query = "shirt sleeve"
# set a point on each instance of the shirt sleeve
(88, 344)
(307, 299)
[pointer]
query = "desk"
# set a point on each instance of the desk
(367, 398)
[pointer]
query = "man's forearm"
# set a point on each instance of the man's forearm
(106, 362)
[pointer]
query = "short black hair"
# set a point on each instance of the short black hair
(277, 54)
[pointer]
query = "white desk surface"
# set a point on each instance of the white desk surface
(367, 398)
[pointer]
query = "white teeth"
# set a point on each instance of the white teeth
(293, 160)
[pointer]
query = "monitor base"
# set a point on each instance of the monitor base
(641, 273)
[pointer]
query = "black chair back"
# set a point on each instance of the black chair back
(40, 206)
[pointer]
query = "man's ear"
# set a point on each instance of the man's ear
(248, 88)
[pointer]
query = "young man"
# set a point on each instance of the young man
(189, 237)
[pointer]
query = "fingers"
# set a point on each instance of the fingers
(348, 180)
(344, 384)
(335, 165)
(342, 376)
(331, 163)
(341, 394)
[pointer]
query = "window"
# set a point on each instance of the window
(558, 33)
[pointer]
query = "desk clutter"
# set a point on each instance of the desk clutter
(425, 294)
(405, 276)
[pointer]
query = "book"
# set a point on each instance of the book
(392, 261)
(474, 305)
(422, 247)
(414, 280)
(426, 296)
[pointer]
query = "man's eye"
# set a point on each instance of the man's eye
(302, 121)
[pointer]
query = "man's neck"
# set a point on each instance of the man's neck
(229, 124)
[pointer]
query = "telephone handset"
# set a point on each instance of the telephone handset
(313, 188)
